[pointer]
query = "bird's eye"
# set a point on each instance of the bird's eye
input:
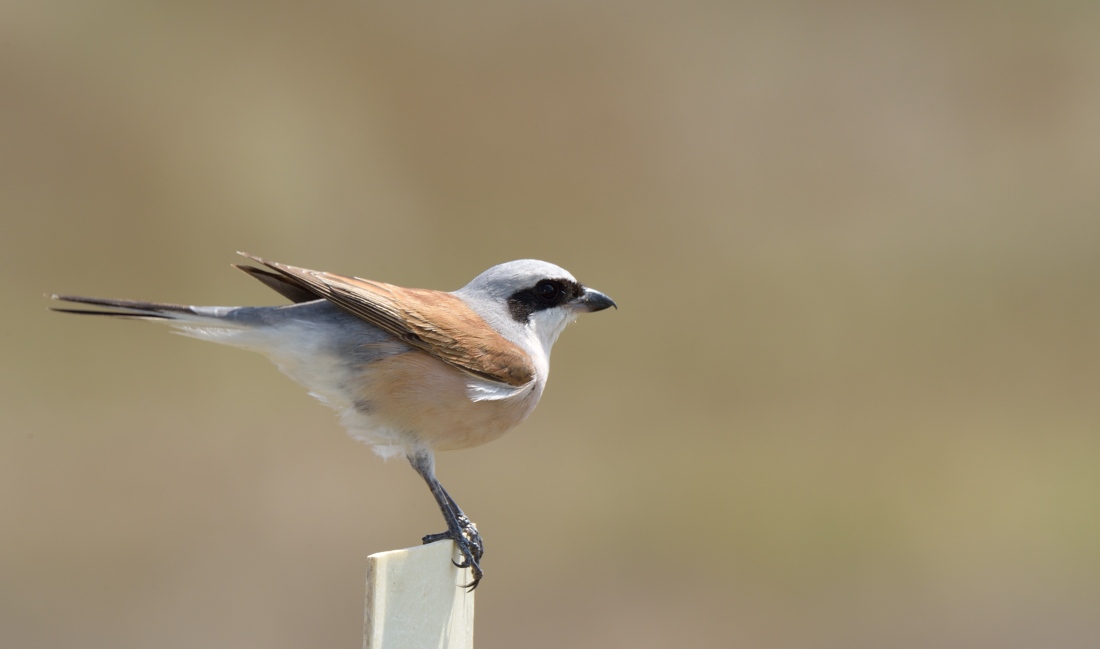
(547, 291)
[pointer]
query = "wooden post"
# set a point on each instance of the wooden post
(415, 600)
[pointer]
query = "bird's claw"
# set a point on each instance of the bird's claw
(469, 543)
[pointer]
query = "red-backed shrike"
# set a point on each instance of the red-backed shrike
(411, 371)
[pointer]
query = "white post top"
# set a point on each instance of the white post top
(415, 600)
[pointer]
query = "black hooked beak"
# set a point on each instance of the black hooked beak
(592, 300)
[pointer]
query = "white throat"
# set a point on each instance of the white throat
(543, 329)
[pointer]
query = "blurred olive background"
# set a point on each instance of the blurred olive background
(850, 397)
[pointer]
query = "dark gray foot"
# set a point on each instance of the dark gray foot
(464, 534)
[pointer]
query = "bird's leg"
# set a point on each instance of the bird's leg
(468, 528)
(459, 527)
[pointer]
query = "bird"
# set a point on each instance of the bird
(410, 371)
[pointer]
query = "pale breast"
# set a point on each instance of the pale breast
(414, 394)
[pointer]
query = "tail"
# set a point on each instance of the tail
(270, 330)
(134, 309)
(236, 326)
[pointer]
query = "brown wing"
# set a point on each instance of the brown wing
(433, 321)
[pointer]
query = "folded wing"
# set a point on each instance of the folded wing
(435, 322)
